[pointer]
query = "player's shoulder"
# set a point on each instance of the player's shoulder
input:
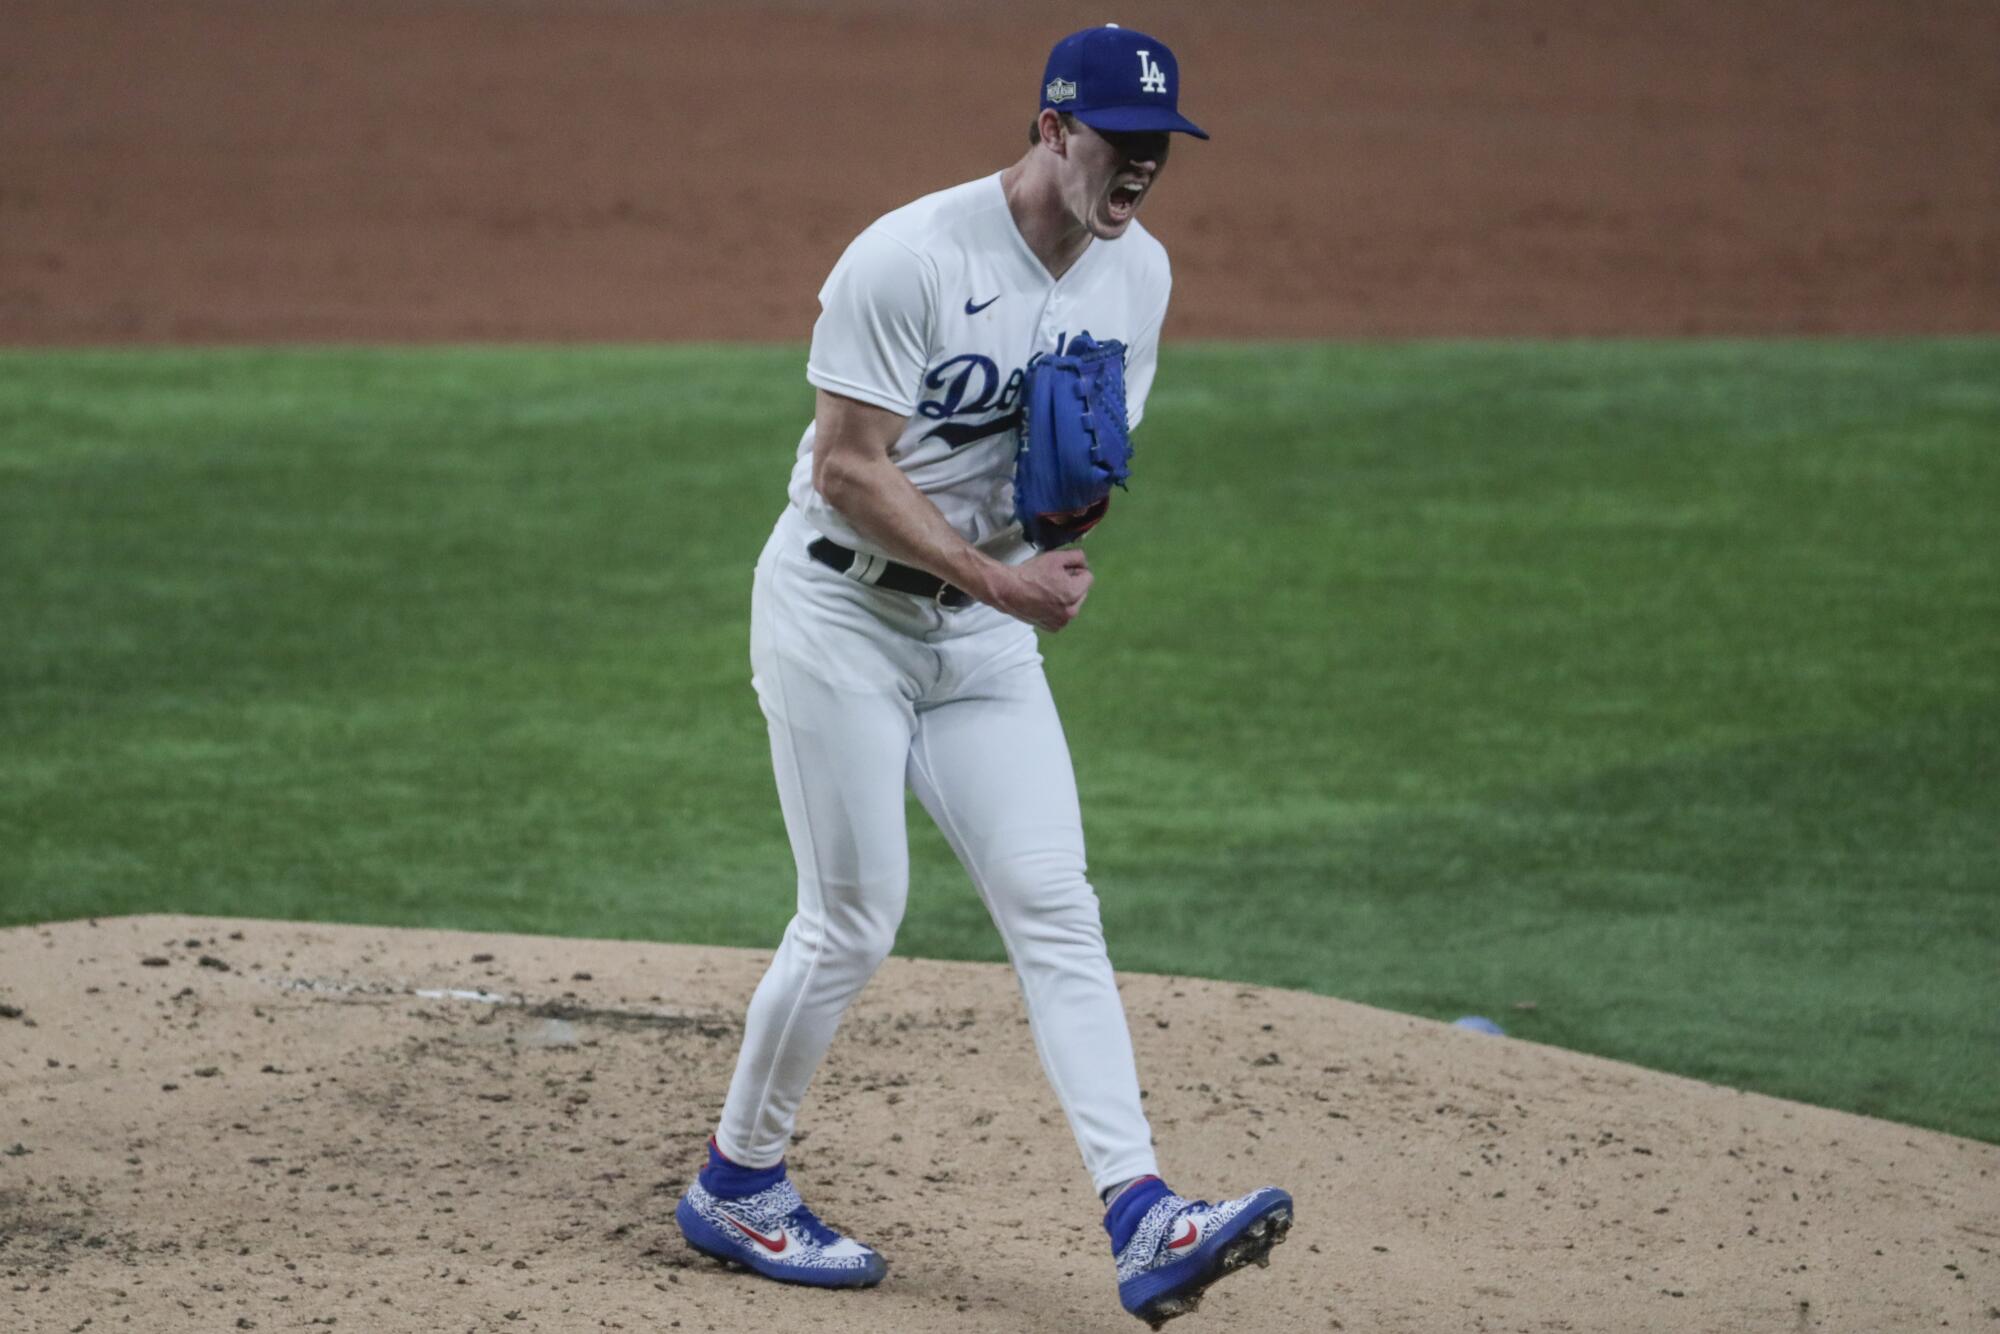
(946, 219)
(912, 249)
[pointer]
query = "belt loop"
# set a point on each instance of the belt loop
(867, 568)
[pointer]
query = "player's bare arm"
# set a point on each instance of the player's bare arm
(853, 470)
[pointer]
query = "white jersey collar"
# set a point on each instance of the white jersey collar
(1028, 252)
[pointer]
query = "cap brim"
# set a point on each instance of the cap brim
(1119, 119)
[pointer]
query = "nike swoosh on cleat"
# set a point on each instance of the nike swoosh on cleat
(1186, 1238)
(774, 1247)
(971, 309)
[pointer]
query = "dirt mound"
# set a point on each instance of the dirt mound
(466, 170)
(210, 1124)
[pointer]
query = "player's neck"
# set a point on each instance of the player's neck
(1035, 200)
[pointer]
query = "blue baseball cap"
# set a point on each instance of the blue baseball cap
(1114, 78)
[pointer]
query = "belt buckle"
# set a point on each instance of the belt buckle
(951, 598)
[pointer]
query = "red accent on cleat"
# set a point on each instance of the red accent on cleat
(774, 1247)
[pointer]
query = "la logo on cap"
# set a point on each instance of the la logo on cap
(1152, 79)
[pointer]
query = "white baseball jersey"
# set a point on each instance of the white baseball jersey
(933, 313)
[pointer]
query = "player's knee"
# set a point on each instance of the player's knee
(1043, 877)
(863, 934)
(1047, 896)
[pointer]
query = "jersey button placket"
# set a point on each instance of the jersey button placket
(1052, 320)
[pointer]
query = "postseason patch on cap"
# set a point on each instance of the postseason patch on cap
(1060, 90)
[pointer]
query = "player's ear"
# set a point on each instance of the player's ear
(1055, 135)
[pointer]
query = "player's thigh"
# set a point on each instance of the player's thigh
(840, 723)
(993, 769)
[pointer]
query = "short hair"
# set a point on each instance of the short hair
(1035, 126)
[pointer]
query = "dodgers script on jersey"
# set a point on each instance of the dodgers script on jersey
(934, 312)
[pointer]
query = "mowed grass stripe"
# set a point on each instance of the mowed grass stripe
(1652, 685)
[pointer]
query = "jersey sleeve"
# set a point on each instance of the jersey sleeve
(1142, 359)
(872, 339)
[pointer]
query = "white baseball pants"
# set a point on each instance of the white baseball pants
(865, 690)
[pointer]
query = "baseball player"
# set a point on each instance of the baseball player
(893, 642)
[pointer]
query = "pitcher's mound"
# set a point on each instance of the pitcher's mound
(214, 1125)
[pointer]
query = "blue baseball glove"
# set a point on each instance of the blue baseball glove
(1074, 445)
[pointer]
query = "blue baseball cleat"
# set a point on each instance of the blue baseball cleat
(772, 1232)
(1169, 1249)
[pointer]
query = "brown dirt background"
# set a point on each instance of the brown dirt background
(209, 1124)
(258, 170)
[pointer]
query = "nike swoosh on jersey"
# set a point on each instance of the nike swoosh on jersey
(971, 309)
(776, 1247)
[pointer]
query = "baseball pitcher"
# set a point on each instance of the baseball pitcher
(980, 359)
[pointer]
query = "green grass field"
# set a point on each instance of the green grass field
(1652, 684)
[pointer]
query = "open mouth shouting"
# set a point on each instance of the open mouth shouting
(1123, 200)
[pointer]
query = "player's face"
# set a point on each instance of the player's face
(1111, 173)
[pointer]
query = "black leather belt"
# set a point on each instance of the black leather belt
(885, 573)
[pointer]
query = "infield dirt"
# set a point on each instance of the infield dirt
(212, 1124)
(466, 170)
